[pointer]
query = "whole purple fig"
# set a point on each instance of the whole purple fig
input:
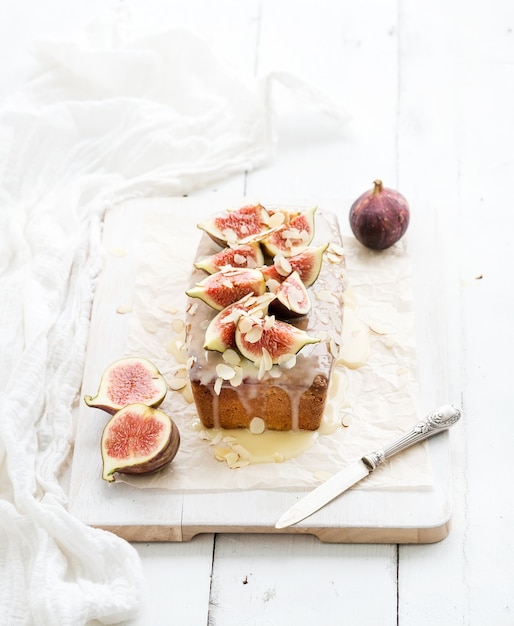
(379, 217)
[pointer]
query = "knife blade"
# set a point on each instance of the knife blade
(435, 422)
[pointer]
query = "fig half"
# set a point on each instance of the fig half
(293, 237)
(129, 380)
(245, 256)
(232, 227)
(220, 334)
(291, 298)
(138, 439)
(269, 340)
(228, 286)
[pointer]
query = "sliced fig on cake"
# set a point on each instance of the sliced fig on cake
(292, 237)
(242, 256)
(220, 334)
(307, 263)
(138, 439)
(228, 286)
(129, 380)
(269, 341)
(234, 226)
(291, 298)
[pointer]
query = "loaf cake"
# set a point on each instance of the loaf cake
(258, 360)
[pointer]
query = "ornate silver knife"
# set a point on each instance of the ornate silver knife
(437, 421)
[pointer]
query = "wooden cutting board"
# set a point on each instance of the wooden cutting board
(414, 515)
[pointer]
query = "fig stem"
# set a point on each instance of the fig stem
(378, 187)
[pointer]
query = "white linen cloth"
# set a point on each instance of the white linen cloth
(104, 118)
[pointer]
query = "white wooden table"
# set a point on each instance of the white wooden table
(429, 88)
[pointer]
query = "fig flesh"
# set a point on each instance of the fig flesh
(227, 286)
(243, 256)
(291, 298)
(220, 334)
(129, 380)
(138, 439)
(269, 340)
(379, 217)
(293, 237)
(232, 227)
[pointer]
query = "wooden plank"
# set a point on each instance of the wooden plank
(450, 146)
(297, 580)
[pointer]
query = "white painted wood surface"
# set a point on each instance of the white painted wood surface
(429, 88)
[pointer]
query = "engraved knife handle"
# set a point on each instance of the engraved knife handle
(435, 422)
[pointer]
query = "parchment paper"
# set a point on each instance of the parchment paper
(377, 399)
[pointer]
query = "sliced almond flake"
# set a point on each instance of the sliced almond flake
(335, 248)
(177, 383)
(266, 357)
(232, 458)
(230, 235)
(231, 357)
(238, 378)
(224, 371)
(282, 265)
(262, 368)
(241, 450)
(275, 371)
(232, 317)
(269, 322)
(240, 259)
(333, 258)
(168, 308)
(334, 349)
(189, 363)
(217, 438)
(254, 335)
(346, 419)
(246, 324)
(192, 308)
(240, 463)
(277, 219)
(272, 285)
(217, 386)
(150, 327)
(324, 295)
(376, 329)
(257, 425)
(305, 236)
(178, 325)
(290, 233)
(205, 324)
(124, 309)
(229, 439)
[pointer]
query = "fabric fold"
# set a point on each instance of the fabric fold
(104, 118)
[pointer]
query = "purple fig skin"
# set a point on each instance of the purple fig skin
(379, 217)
